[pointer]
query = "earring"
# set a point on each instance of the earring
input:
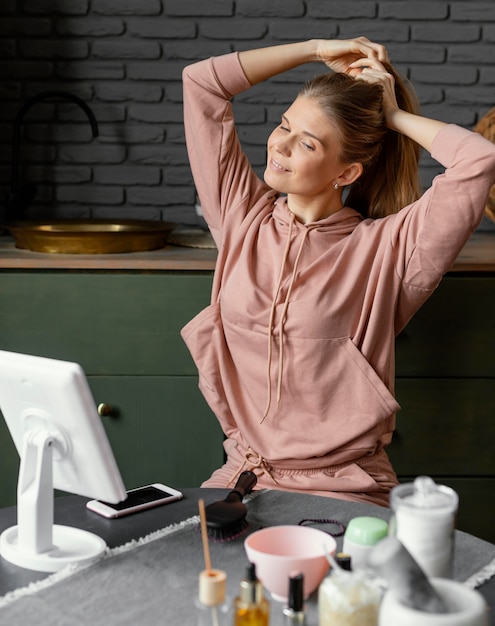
(336, 185)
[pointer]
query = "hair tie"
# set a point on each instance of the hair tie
(340, 526)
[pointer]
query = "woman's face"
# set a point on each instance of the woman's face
(303, 151)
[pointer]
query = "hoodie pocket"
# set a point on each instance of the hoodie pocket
(332, 397)
(205, 340)
(383, 394)
(198, 335)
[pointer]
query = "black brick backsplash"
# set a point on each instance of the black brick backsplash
(125, 57)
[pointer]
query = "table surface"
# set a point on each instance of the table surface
(268, 508)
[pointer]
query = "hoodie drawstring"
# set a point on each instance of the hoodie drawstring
(272, 315)
(282, 317)
(253, 461)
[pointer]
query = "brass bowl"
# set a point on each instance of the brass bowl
(90, 236)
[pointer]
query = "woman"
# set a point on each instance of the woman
(296, 351)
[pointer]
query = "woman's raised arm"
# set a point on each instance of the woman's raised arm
(263, 63)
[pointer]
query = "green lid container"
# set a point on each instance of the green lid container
(366, 531)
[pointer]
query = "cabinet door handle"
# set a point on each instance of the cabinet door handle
(104, 409)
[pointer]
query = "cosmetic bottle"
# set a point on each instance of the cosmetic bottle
(361, 535)
(294, 614)
(212, 607)
(251, 608)
(344, 561)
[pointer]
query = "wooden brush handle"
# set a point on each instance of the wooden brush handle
(244, 485)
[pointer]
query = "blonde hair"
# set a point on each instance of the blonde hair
(390, 177)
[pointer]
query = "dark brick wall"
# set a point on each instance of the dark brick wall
(124, 58)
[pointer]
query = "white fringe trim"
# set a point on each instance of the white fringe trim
(70, 570)
(484, 574)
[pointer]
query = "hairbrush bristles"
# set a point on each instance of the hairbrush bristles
(219, 534)
(226, 519)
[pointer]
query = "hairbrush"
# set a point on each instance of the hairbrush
(226, 519)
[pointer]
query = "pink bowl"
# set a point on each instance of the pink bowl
(280, 551)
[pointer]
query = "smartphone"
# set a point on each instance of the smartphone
(137, 500)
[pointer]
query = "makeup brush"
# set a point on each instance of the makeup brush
(226, 519)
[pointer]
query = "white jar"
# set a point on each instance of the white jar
(424, 521)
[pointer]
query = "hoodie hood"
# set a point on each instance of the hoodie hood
(342, 222)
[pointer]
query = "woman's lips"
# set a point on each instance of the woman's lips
(275, 165)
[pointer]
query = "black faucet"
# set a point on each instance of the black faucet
(20, 197)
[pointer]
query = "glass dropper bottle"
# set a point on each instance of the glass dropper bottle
(251, 608)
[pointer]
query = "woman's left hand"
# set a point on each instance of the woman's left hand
(339, 54)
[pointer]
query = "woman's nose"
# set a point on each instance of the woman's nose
(283, 146)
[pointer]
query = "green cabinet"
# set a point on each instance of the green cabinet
(160, 428)
(445, 383)
(123, 327)
(124, 330)
(112, 323)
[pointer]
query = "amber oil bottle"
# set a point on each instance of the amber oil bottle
(251, 608)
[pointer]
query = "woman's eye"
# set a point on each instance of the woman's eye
(307, 146)
(282, 127)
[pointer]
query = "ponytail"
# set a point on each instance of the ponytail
(390, 178)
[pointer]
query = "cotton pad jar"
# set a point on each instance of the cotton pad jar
(424, 521)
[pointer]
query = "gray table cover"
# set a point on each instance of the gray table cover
(154, 580)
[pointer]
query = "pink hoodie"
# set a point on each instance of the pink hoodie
(296, 351)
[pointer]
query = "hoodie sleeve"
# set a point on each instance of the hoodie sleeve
(222, 174)
(430, 234)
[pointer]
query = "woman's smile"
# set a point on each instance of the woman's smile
(277, 166)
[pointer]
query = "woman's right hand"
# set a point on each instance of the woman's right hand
(418, 128)
(373, 71)
(339, 54)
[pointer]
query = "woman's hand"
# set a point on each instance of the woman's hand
(373, 71)
(339, 54)
(421, 129)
